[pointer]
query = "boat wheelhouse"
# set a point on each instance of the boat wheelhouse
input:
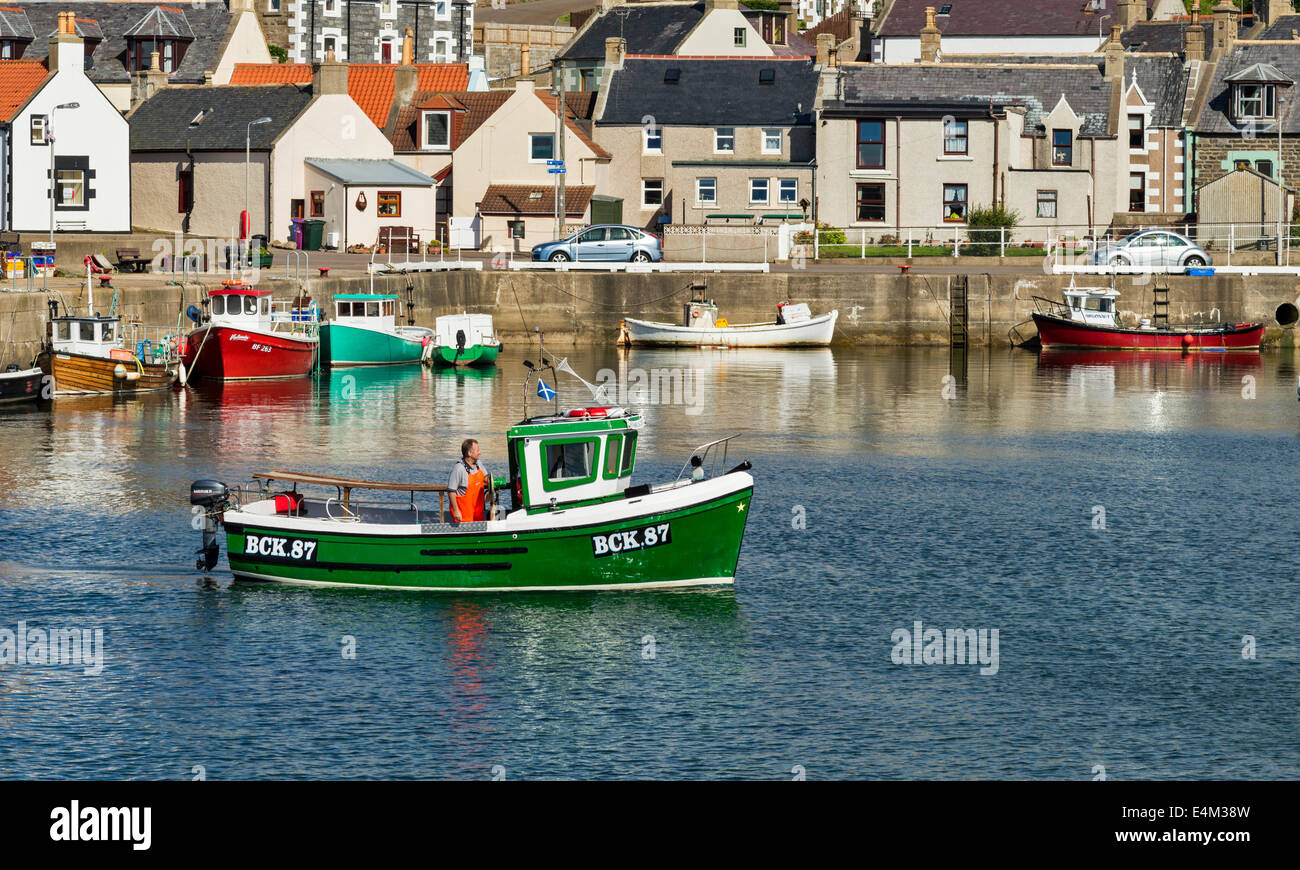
(574, 521)
(365, 332)
(91, 353)
(465, 340)
(1088, 318)
(247, 335)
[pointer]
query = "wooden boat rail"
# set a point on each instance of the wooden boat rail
(345, 485)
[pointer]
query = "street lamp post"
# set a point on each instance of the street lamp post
(49, 135)
(248, 138)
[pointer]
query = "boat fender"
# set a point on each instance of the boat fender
(589, 412)
(1187, 340)
(119, 371)
(722, 323)
(132, 377)
(288, 503)
(194, 314)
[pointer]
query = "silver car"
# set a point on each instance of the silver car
(605, 242)
(1158, 248)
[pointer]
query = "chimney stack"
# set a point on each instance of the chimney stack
(710, 5)
(406, 78)
(1194, 39)
(330, 77)
(929, 38)
(825, 49)
(614, 49)
(787, 9)
(1132, 12)
(525, 62)
(1268, 12)
(67, 51)
(1225, 27)
(1114, 51)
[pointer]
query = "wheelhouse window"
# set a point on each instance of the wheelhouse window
(871, 202)
(570, 461)
(955, 137)
(437, 130)
(1062, 147)
(629, 453)
(541, 146)
(318, 203)
(1046, 204)
(1136, 133)
(954, 203)
(871, 144)
(613, 449)
(758, 188)
(706, 191)
(1255, 101)
(724, 140)
(390, 203)
(652, 192)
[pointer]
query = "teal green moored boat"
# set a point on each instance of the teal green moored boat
(574, 522)
(465, 340)
(365, 332)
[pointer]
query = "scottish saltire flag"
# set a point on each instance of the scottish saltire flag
(545, 391)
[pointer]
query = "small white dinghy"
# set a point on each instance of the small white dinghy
(795, 326)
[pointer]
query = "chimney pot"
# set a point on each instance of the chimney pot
(929, 38)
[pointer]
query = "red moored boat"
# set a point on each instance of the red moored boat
(1086, 319)
(248, 336)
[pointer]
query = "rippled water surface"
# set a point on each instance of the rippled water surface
(968, 502)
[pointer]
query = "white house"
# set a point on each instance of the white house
(64, 121)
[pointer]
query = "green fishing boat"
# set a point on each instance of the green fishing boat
(465, 340)
(573, 521)
(365, 332)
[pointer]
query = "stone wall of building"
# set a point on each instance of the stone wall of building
(1216, 156)
(502, 46)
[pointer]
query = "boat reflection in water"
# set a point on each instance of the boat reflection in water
(1090, 372)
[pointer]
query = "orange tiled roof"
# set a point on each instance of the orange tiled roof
(19, 79)
(525, 199)
(370, 85)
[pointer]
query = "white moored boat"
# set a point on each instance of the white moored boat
(795, 326)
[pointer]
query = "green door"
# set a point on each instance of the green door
(606, 209)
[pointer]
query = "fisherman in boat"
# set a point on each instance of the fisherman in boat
(469, 485)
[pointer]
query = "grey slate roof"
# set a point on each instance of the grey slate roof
(1259, 72)
(162, 21)
(1001, 18)
(649, 28)
(711, 92)
(207, 23)
(161, 123)
(15, 25)
(1036, 88)
(1281, 29)
(356, 170)
(1161, 36)
(1163, 81)
(1215, 117)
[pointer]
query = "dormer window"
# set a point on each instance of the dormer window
(164, 30)
(1254, 102)
(437, 131)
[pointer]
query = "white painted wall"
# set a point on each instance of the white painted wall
(247, 45)
(361, 227)
(907, 49)
(715, 34)
(96, 130)
(332, 125)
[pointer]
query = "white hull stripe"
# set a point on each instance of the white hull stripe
(659, 584)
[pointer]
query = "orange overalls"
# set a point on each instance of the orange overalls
(471, 503)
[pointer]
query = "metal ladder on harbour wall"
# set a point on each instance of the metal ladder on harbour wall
(1160, 305)
(958, 325)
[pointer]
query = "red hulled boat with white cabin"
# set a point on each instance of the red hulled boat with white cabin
(248, 336)
(1087, 319)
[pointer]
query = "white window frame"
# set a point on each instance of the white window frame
(387, 8)
(272, 5)
(332, 7)
(780, 140)
(644, 186)
(41, 123)
(442, 11)
(718, 136)
(699, 189)
(767, 191)
(781, 185)
(425, 145)
(531, 137)
(739, 36)
(645, 140)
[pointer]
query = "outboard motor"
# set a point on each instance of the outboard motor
(212, 496)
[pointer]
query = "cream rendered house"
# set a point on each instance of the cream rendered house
(500, 181)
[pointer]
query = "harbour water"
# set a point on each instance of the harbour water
(1126, 523)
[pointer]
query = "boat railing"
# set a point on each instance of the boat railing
(712, 456)
(343, 487)
(301, 321)
(1051, 307)
(162, 345)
